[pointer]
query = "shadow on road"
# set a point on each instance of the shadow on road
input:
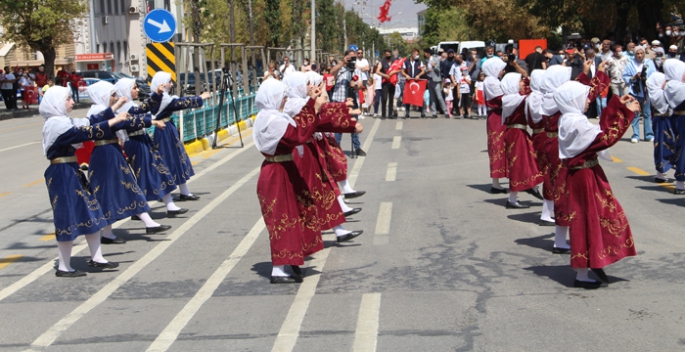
(543, 242)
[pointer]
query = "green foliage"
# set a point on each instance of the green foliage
(326, 27)
(272, 16)
(446, 25)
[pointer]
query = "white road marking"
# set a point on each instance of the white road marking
(399, 125)
(391, 174)
(366, 334)
(34, 275)
(167, 337)
(396, 142)
(383, 224)
(290, 330)
(18, 146)
(48, 337)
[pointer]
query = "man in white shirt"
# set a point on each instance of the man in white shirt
(7, 89)
(286, 68)
(617, 64)
(362, 66)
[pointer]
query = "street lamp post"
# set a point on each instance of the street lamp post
(312, 55)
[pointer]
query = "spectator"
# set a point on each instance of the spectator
(552, 59)
(346, 87)
(286, 68)
(25, 85)
(659, 62)
(594, 61)
(479, 97)
(455, 76)
(672, 52)
(512, 52)
(635, 75)
(446, 65)
(656, 46)
(659, 31)
(413, 69)
(399, 87)
(617, 64)
(536, 60)
(500, 54)
(575, 61)
(434, 79)
(362, 66)
(449, 97)
(489, 53)
(7, 88)
(388, 88)
(605, 50)
(272, 71)
(46, 86)
(595, 43)
(75, 79)
(676, 36)
(329, 80)
(667, 35)
(306, 67)
(62, 78)
(649, 53)
(465, 93)
(41, 77)
(378, 85)
(631, 51)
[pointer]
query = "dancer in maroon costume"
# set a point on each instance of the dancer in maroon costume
(493, 69)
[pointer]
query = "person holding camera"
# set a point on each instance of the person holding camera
(346, 86)
(635, 75)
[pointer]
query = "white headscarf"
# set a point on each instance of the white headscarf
(511, 99)
(655, 84)
(314, 78)
(297, 93)
(124, 87)
(576, 133)
(270, 124)
(553, 78)
(674, 70)
(158, 79)
(99, 93)
(535, 98)
(491, 85)
(54, 110)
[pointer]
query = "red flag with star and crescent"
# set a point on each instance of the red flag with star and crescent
(413, 92)
(384, 11)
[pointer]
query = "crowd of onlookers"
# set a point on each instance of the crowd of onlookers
(29, 86)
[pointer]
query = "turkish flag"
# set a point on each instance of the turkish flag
(413, 92)
(396, 65)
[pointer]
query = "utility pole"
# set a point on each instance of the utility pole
(312, 55)
(345, 31)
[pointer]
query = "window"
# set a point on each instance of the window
(116, 7)
(104, 47)
(109, 7)
(124, 10)
(97, 48)
(102, 7)
(119, 58)
(125, 51)
(167, 5)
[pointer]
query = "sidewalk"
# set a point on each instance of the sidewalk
(32, 111)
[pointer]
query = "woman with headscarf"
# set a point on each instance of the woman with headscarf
(539, 136)
(287, 205)
(664, 127)
(167, 140)
(113, 181)
(674, 92)
(493, 69)
(554, 77)
(600, 233)
(523, 170)
(152, 174)
(75, 210)
(310, 158)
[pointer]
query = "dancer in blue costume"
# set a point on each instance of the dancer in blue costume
(674, 92)
(152, 174)
(113, 182)
(167, 141)
(664, 127)
(75, 209)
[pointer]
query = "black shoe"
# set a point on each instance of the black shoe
(587, 285)
(183, 197)
(434, 116)
(601, 275)
(135, 218)
(556, 250)
(354, 194)
(160, 228)
(494, 190)
(423, 116)
(661, 180)
(108, 265)
(546, 223)
(285, 280)
(360, 152)
(352, 212)
(349, 236)
(116, 240)
(406, 116)
(173, 213)
(516, 205)
(75, 273)
(679, 191)
(535, 193)
(297, 270)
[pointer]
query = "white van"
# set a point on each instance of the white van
(478, 45)
(448, 45)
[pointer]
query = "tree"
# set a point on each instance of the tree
(272, 16)
(326, 27)
(43, 25)
(446, 25)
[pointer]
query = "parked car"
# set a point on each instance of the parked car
(189, 85)
(111, 77)
(82, 93)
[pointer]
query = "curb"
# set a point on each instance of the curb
(205, 143)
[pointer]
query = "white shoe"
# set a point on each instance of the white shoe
(650, 139)
(634, 140)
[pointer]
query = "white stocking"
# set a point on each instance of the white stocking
(64, 263)
(582, 274)
(679, 185)
(147, 220)
(169, 201)
(547, 209)
(495, 183)
(278, 271)
(560, 237)
(661, 175)
(107, 232)
(95, 249)
(345, 186)
(344, 206)
(184, 190)
(340, 231)
(513, 197)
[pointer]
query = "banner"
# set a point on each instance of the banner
(413, 92)
(395, 66)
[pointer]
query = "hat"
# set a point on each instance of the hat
(450, 51)
(447, 81)
(587, 46)
(441, 50)
(673, 47)
(570, 51)
(595, 40)
(656, 42)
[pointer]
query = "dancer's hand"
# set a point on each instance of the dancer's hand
(121, 117)
(159, 124)
(119, 103)
(349, 102)
(358, 128)
(205, 95)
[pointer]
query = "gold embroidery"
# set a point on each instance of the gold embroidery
(615, 226)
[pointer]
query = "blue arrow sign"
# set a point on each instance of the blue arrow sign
(353, 47)
(159, 25)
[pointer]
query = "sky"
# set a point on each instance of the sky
(407, 17)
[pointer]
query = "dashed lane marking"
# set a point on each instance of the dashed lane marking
(399, 125)
(4, 194)
(48, 237)
(391, 173)
(396, 142)
(616, 160)
(31, 184)
(381, 236)
(641, 172)
(366, 334)
(6, 261)
(19, 146)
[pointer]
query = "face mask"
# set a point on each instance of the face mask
(658, 60)
(671, 54)
(668, 32)
(416, 58)
(597, 45)
(490, 55)
(388, 57)
(661, 35)
(631, 53)
(306, 63)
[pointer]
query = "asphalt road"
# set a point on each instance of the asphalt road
(441, 266)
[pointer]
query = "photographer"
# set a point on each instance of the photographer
(635, 75)
(346, 86)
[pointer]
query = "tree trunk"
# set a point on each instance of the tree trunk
(49, 54)
(622, 9)
(649, 14)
